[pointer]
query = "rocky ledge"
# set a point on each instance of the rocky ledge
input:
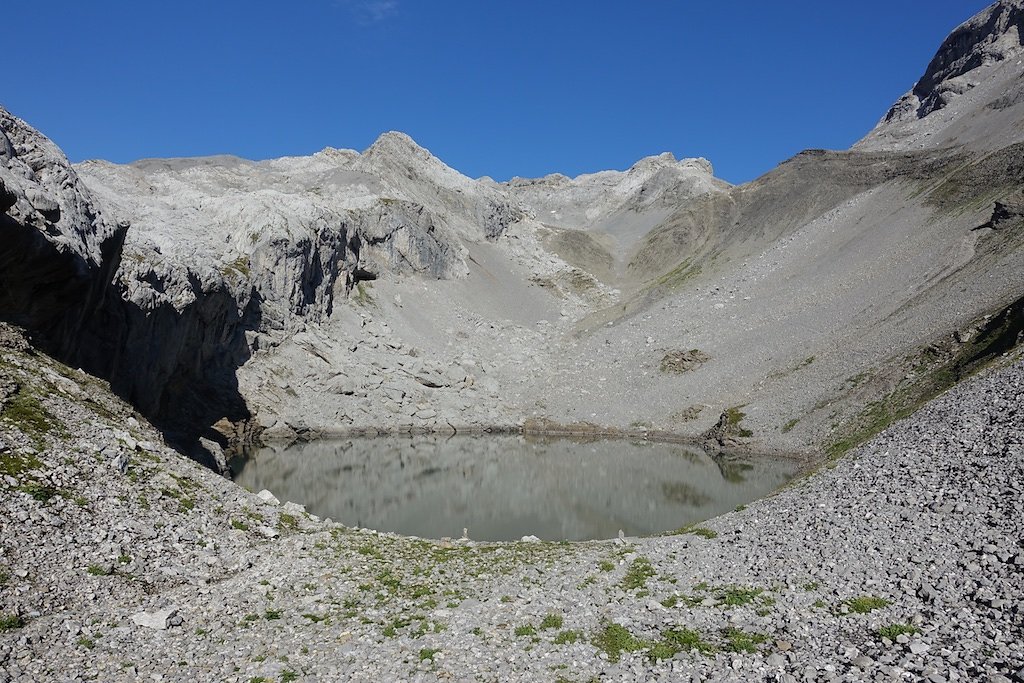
(121, 561)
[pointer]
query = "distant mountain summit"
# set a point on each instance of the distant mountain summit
(975, 76)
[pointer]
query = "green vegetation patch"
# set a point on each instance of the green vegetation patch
(41, 492)
(734, 416)
(931, 371)
(637, 574)
(682, 639)
(678, 276)
(287, 522)
(893, 631)
(551, 621)
(738, 640)
(25, 412)
(614, 639)
(866, 603)
(567, 637)
(731, 595)
(362, 295)
(701, 531)
(10, 622)
(239, 266)
(16, 465)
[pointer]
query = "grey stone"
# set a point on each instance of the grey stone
(158, 619)
(268, 497)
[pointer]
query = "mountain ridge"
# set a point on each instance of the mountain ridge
(386, 290)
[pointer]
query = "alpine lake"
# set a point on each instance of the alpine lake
(505, 487)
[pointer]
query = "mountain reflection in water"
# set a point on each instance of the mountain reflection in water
(505, 487)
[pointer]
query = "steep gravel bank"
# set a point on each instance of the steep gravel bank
(903, 561)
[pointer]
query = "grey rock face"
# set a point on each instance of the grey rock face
(399, 236)
(994, 35)
(159, 332)
(59, 251)
(1006, 213)
(975, 74)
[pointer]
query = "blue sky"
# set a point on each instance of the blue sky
(492, 88)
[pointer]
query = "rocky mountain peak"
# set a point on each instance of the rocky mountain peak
(653, 164)
(397, 158)
(976, 65)
(993, 35)
(396, 142)
(39, 187)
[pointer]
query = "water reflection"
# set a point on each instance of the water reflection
(505, 487)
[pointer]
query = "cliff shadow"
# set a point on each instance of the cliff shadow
(177, 368)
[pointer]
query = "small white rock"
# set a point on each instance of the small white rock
(268, 497)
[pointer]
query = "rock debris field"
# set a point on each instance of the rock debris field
(120, 560)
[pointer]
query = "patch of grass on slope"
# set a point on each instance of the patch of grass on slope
(932, 371)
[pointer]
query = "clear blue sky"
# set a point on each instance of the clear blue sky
(521, 87)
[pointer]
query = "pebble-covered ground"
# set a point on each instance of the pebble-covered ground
(122, 561)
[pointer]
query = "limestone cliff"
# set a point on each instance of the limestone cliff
(59, 251)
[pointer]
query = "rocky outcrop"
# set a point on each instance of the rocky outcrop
(728, 433)
(473, 210)
(1008, 212)
(964, 94)
(994, 35)
(169, 338)
(166, 336)
(400, 236)
(300, 231)
(58, 251)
